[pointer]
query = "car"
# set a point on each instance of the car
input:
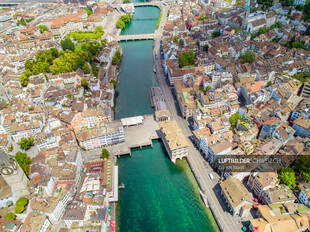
(211, 176)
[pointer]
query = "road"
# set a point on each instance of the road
(198, 165)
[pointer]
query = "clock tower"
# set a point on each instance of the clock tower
(13, 175)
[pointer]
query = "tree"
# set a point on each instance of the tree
(206, 47)
(26, 143)
(126, 18)
(287, 177)
(126, 1)
(117, 58)
(88, 11)
(24, 161)
(302, 166)
(86, 68)
(10, 216)
(120, 24)
(24, 80)
(84, 84)
(114, 83)
(215, 33)
(104, 153)
(67, 44)
(20, 204)
(247, 57)
(308, 30)
(186, 59)
(181, 42)
(234, 119)
(43, 28)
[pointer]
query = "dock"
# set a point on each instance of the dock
(138, 136)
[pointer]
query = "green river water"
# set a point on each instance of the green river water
(158, 195)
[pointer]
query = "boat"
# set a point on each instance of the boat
(204, 198)
(122, 186)
(154, 69)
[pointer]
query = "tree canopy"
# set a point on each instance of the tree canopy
(121, 22)
(87, 35)
(26, 143)
(234, 119)
(186, 59)
(302, 166)
(20, 204)
(84, 84)
(10, 216)
(104, 153)
(67, 44)
(215, 33)
(24, 161)
(117, 58)
(247, 57)
(43, 28)
(287, 177)
(88, 11)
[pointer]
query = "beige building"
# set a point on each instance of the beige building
(270, 222)
(236, 196)
(174, 140)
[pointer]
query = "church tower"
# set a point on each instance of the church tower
(13, 175)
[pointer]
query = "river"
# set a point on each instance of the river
(158, 195)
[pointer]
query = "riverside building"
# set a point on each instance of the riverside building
(174, 140)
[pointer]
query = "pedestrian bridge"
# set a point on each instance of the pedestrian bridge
(136, 37)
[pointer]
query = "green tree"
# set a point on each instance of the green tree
(88, 11)
(84, 84)
(104, 153)
(24, 80)
(10, 216)
(126, 18)
(287, 177)
(206, 47)
(43, 28)
(181, 42)
(67, 44)
(26, 143)
(86, 68)
(114, 83)
(120, 24)
(302, 166)
(21, 203)
(215, 33)
(126, 1)
(117, 58)
(186, 59)
(24, 161)
(308, 30)
(234, 119)
(247, 57)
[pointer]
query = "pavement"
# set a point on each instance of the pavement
(199, 166)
